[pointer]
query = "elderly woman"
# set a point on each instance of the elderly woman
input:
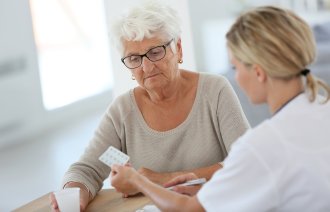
(282, 164)
(175, 121)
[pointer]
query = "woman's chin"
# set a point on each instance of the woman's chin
(255, 101)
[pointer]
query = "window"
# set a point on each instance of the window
(73, 50)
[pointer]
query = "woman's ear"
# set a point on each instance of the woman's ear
(179, 48)
(260, 73)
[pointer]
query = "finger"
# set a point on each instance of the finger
(141, 170)
(55, 210)
(187, 190)
(130, 195)
(180, 179)
(191, 176)
(112, 174)
(82, 206)
(113, 181)
(53, 201)
(52, 197)
(115, 167)
(174, 181)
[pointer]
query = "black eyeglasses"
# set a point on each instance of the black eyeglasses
(154, 54)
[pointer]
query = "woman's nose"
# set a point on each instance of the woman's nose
(146, 64)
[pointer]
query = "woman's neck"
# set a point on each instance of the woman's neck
(172, 92)
(166, 94)
(281, 92)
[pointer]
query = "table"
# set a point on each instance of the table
(105, 200)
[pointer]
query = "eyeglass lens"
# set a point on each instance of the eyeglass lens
(153, 55)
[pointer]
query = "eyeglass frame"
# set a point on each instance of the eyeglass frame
(145, 55)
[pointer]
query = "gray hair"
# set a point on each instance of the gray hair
(150, 19)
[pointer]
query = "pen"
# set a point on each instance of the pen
(198, 181)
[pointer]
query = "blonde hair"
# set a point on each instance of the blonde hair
(279, 41)
(152, 18)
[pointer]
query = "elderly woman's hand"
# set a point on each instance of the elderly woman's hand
(128, 190)
(156, 177)
(84, 197)
(53, 203)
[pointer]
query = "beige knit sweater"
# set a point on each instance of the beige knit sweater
(215, 121)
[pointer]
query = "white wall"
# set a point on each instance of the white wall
(22, 114)
(19, 81)
(209, 12)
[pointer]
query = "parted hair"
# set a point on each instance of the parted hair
(152, 18)
(279, 41)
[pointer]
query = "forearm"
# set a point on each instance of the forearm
(204, 172)
(165, 200)
(88, 173)
(207, 172)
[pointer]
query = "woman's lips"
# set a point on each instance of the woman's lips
(150, 76)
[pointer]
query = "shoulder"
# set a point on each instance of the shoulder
(121, 105)
(122, 99)
(213, 81)
(217, 90)
(214, 86)
(302, 115)
(260, 134)
(264, 141)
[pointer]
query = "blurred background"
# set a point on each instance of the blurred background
(59, 73)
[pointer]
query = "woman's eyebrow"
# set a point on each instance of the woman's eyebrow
(131, 54)
(136, 54)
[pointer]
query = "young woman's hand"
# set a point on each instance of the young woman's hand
(187, 190)
(121, 179)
